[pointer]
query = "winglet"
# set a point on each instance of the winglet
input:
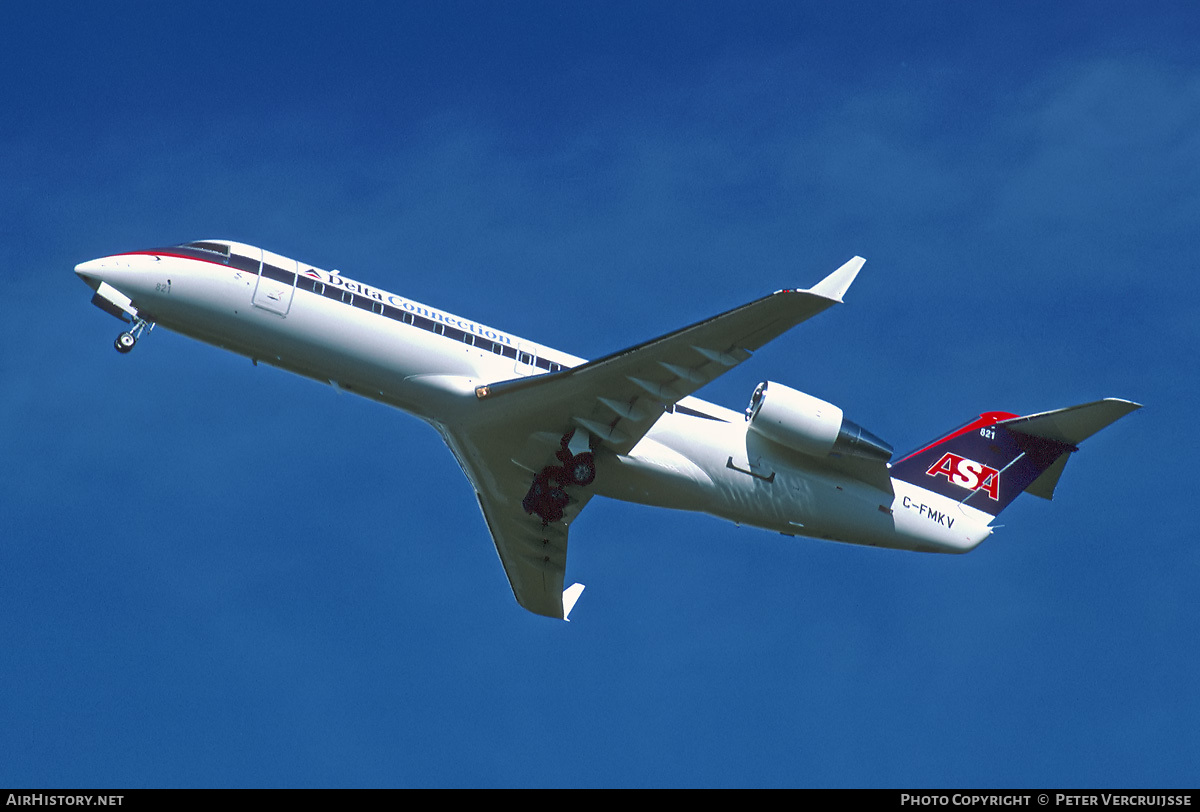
(835, 285)
(570, 595)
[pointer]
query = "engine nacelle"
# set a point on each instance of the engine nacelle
(810, 425)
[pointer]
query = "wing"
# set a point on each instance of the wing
(520, 425)
(619, 397)
(534, 554)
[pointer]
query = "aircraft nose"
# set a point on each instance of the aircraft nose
(91, 268)
(95, 271)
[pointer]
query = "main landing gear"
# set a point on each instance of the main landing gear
(547, 497)
(126, 340)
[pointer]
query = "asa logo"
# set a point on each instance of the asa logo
(965, 473)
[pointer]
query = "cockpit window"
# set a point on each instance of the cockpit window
(215, 247)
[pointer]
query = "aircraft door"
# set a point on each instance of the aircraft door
(276, 284)
(525, 356)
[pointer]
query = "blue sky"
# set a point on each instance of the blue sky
(223, 575)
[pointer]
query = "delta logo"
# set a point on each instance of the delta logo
(965, 473)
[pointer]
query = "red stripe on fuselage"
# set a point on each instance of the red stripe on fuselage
(173, 256)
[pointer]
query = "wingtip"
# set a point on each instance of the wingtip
(570, 596)
(835, 285)
(1130, 405)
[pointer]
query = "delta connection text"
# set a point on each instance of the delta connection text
(361, 289)
(1045, 799)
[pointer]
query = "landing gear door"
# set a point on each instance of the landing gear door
(276, 284)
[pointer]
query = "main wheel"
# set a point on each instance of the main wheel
(550, 513)
(552, 505)
(125, 342)
(582, 468)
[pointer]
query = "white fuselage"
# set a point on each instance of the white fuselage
(429, 362)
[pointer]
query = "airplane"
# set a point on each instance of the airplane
(539, 432)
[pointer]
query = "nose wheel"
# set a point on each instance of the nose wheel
(126, 341)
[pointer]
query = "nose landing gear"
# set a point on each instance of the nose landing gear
(125, 341)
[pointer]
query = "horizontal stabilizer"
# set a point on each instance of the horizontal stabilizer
(1073, 424)
(1070, 426)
